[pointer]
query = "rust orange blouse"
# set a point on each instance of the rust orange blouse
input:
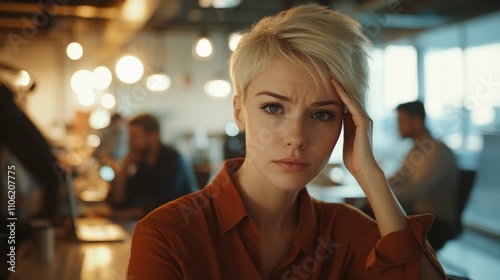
(209, 235)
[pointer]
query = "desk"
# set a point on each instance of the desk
(351, 194)
(77, 260)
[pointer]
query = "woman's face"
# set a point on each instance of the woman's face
(291, 125)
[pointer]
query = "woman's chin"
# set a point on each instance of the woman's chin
(290, 184)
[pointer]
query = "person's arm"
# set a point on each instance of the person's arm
(360, 161)
(118, 192)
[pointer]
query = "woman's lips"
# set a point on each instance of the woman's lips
(292, 165)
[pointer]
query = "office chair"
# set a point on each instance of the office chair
(466, 182)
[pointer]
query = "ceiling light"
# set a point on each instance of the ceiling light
(158, 82)
(99, 118)
(203, 48)
(219, 4)
(86, 98)
(108, 101)
(82, 81)
(74, 51)
(129, 69)
(102, 77)
(225, 4)
(135, 10)
(23, 78)
(234, 39)
(217, 88)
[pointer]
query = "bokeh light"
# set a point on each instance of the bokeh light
(203, 48)
(158, 82)
(234, 39)
(107, 173)
(217, 88)
(99, 118)
(82, 81)
(93, 140)
(74, 51)
(23, 78)
(86, 98)
(108, 101)
(129, 69)
(232, 129)
(102, 77)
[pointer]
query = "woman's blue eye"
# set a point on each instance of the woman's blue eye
(272, 109)
(322, 115)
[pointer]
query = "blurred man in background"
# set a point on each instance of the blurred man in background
(151, 173)
(427, 181)
(113, 144)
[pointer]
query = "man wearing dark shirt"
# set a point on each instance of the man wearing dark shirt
(151, 173)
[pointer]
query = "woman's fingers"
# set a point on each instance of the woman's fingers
(346, 99)
(359, 116)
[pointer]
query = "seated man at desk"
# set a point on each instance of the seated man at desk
(151, 173)
(113, 140)
(427, 181)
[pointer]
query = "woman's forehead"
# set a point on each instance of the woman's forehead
(285, 77)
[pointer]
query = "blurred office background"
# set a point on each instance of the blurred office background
(91, 59)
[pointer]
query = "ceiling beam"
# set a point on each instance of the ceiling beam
(134, 14)
(24, 8)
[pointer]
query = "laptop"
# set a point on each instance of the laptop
(91, 229)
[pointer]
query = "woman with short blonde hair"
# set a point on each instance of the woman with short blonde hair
(299, 78)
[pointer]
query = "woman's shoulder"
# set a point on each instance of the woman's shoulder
(188, 213)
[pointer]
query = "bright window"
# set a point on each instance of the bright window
(401, 79)
(483, 84)
(444, 82)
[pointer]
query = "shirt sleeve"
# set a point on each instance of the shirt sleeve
(153, 254)
(398, 255)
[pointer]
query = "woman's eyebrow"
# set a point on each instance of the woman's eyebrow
(275, 95)
(326, 103)
(285, 98)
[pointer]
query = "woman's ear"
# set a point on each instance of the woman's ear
(239, 115)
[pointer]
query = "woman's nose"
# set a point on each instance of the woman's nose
(295, 136)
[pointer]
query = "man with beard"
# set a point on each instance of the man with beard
(427, 181)
(151, 173)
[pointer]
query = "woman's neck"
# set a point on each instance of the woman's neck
(272, 210)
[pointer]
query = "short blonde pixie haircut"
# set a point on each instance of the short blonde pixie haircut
(328, 44)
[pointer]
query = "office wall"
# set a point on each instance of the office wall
(185, 107)
(41, 57)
